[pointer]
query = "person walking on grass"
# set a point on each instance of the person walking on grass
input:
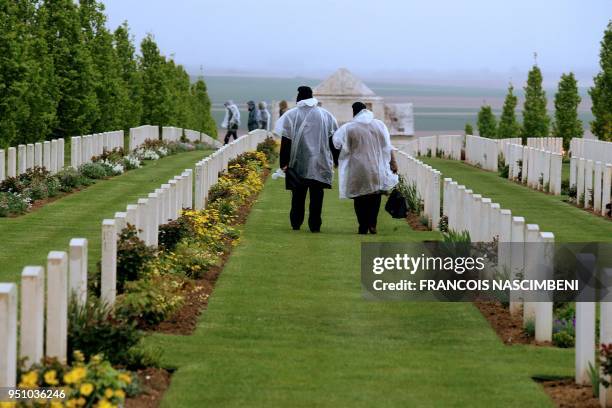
(231, 121)
(264, 116)
(306, 156)
(367, 167)
(253, 122)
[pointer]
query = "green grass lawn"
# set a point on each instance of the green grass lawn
(26, 240)
(287, 326)
(568, 223)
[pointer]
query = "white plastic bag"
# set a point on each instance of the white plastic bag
(279, 173)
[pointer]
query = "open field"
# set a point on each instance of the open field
(437, 108)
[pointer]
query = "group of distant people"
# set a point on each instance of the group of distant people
(312, 144)
(259, 118)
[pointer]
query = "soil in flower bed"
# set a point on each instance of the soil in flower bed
(154, 382)
(198, 292)
(414, 220)
(565, 393)
(509, 328)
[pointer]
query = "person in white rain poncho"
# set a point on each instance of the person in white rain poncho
(264, 116)
(306, 156)
(231, 121)
(367, 167)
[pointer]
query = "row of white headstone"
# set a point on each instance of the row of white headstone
(171, 133)
(83, 148)
(427, 182)
(552, 144)
(482, 152)
(486, 221)
(593, 183)
(537, 168)
(15, 161)
(590, 149)
(67, 272)
(139, 134)
(448, 145)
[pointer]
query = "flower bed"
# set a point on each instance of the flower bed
(38, 186)
(155, 286)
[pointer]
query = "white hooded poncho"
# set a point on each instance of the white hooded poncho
(230, 106)
(365, 152)
(309, 128)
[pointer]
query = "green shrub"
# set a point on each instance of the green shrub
(563, 339)
(94, 328)
(13, 204)
(530, 327)
(37, 190)
(269, 148)
(94, 171)
(12, 185)
(133, 256)
(150, 301)
(172, 232)
(70, 179)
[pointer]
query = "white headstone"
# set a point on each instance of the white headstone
(8, 339)
(32, 314)
(78, 269)
(109, 262)
(57, 305)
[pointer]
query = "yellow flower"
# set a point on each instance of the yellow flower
(75, 375)
(120, 394)
(86, 389)
(57, 404)
(81, 401)
(78, 356)
(29, 380)
(104, 404)
(97, 358)
(72, 403)
(8, 404)
(51, 377)
(108, 393)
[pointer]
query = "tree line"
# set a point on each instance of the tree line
(64, 73)
(565, 123)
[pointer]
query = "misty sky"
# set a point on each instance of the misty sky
(314, 37)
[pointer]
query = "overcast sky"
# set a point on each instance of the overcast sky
(470, 38)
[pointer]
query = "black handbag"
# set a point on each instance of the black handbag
(396, 204)
(293, 181)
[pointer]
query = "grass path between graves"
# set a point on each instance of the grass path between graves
(551, 213)
(287, 327)
(26, 240)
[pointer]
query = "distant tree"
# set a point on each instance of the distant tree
(535, 118)
(126, 56)
(203, 120)
(469, 130)
(110, 87)
(77, 109)
(487, 126)
(40, 95)
(567, 125)
(601, 92)
(156, 96)
(508, 125)
(26, 108)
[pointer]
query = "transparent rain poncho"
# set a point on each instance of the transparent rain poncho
(230, 106)
(365, 153)
(309, 128)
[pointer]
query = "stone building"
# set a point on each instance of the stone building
(338, 92)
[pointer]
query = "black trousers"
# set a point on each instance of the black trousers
(231, 131)
(298, 204)
(366, 210)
